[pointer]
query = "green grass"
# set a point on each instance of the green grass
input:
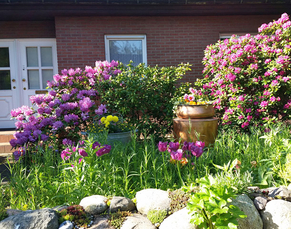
(49, 181)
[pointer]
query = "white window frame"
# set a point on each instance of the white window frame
(223, 36)
(126, 37)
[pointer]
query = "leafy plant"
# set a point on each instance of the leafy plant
(211, 206)
(179, 199)
(75, 214)
(144, 96)
(157, 216)
(231, 176)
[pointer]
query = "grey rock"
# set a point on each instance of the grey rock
(152, 199)
(137, 221)
(38, 219)
(289, 187)
(121, 203)
(281, 191)
(253, 220)
(260, 202)
(11, 212)
(66, 225)
(95, 204)
(277, 214)
(60, 207)
(180, 219)
(101, 222)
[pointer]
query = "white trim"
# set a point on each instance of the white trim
(107, 38)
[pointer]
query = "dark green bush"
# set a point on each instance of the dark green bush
(145, 95)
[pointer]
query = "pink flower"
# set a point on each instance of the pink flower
(241, 98)
(249, 117)
(267, 93)
(248, 110)
(274, 83)
(285, 79)
(264, 104)
(273, 98)
(245, 124)
(240, 117)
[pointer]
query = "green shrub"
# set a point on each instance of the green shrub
(145, 95)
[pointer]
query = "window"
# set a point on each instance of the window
(125, 48)
(223, 36)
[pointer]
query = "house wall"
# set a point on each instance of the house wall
(170, 40)
(27, 29)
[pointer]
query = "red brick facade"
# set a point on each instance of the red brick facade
(27, 29)
(170, 40)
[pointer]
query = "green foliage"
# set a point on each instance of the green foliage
(231, 177)
(116, 219)
(285, 173)
(211, 206)
(4, 202)
(76, 214)
(145, 96)
(157, 216)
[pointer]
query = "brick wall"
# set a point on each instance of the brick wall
(27, 29)
(170, 40)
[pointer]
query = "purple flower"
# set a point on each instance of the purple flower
(57, 125)
(104, 150)
(13, 142)
(85, 104)
(83, 153)
(196, 150)
(173, 146)
(44, 137)
(200, 144)
(162, 146)
(65, 97)
(101, 109)
(67, 141)
(177, 155)
(185, 146)
(19, 153)
(36, 133)
(95, 145)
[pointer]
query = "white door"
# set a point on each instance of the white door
(9, 83)
(38, 64)
(25, 67)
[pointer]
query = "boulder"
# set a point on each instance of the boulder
(101, 222)
(180, 219)
(253, 220)
(121, 203)
(260, 202)
(277, 214)
(38, 219)
(152, 199)
(67, 225)
(95, 204)
(137, 221)
(281, 192)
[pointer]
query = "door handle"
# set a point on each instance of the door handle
(24, 88)
(23, 80)
(14, 87)
(13, 80)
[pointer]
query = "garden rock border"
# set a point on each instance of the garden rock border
(275, 214)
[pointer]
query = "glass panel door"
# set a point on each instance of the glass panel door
(5, 80)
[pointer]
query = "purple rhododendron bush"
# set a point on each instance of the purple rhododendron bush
(59, 116)
(248, 77)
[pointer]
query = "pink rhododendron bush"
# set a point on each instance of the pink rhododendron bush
(248, 77)
(60, 115)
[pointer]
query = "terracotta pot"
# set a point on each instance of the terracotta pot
(195, 111)
(187, 130)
